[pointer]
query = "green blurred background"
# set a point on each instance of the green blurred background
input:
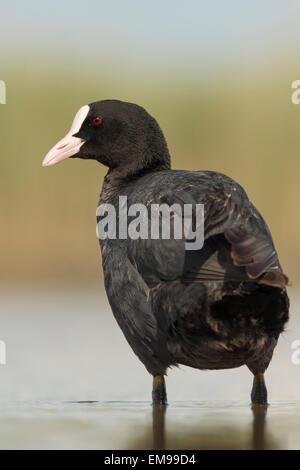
(216, 75)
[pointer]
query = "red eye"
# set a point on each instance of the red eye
(97, 121)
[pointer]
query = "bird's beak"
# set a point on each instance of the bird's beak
(69, 145)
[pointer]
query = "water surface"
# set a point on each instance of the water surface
(72, 382)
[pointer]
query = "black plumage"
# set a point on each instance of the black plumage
(219, 307)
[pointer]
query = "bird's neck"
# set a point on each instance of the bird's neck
(118, 179)
(153, 157)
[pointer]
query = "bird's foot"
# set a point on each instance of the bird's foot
(259, 394)
(159, 393)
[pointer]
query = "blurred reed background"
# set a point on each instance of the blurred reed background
(216, 75)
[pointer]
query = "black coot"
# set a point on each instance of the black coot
(219, 307)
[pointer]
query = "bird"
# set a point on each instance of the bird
(218, 307)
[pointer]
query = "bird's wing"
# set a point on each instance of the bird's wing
(238, 244)
(128, 295)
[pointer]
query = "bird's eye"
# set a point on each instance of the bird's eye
(97, 121)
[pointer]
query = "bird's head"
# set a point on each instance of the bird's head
(120, 135)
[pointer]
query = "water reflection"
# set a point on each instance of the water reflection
(158, 427)
(259, 427)
(137, 425)
(208, 434)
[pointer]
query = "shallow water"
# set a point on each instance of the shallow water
(72, 382)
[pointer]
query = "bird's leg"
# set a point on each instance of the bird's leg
(159, 393)
(259, 394)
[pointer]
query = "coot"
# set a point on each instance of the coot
(218, 307)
